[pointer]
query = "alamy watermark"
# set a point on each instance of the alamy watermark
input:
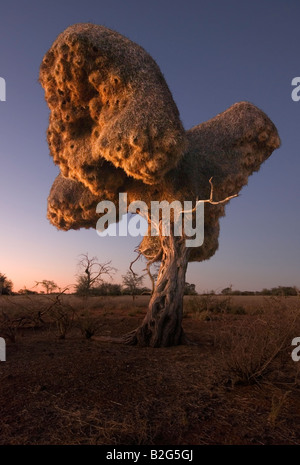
(2, 90)
(296, 352)
(296, 91)
(161, 216)
(2, 350)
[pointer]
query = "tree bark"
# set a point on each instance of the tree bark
(162, 324)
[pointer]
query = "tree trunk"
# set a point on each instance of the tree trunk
(162, 324)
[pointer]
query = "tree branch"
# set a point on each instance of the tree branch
(210, 200)
(135, 260)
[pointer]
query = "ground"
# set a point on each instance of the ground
(237, 384)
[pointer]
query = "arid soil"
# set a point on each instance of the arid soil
(237, 384)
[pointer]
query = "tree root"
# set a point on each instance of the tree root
(130, 339)
(115, 340)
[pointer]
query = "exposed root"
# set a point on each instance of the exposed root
(130, 339)
(115, 340)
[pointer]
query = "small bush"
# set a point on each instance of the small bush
(278, 403)
(209, 304)
(63, 315)
(88, 326)
(250, 346)
(5, 285)
(238, 310)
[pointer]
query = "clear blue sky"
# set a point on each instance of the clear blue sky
(212, 54)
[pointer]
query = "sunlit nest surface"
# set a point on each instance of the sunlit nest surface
(114, 127)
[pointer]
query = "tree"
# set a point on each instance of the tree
(5, 285)
(227, 290)
(132, 283)
(114, 128)
(108, 289)
(190, 289)
(49, 286)
(26, 291)
(284, 291)
(91, 274)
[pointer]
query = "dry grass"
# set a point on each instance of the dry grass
(211, 307)
(236, 385)
(252, 344)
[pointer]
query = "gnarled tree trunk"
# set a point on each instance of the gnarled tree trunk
(162, 324)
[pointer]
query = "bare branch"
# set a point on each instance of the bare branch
(94, 271)
(135, 260)
(219, 201)
(210, 200)
(48, 285)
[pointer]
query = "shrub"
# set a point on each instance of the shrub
(88, 325)
(5, 285)
(210, 304)
(252, 345)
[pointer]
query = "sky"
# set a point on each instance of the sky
(212, 54)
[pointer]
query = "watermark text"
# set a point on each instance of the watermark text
(296, 91)
(162, 217)
(2, 350)
(296, 351)
(2, 90)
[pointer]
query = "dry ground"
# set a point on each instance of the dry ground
(236, 385)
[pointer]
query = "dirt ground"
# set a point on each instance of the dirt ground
(237, 384)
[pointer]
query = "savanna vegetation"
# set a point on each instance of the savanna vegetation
(67, 380)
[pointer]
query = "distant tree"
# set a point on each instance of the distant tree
(190, 289)
(132, 283)
(280, 291)
(91, 274)
(145, 291)
(49, 286)
(265, 291)
(107, 289)
(26, 291)
(290, 290)
(238, 292)
(284, 290)
(227, 290)
(5, 285)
